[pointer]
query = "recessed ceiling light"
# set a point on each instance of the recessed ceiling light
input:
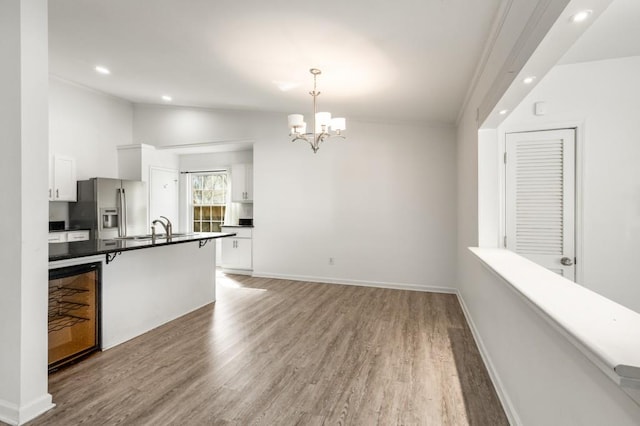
(167, 98)
(503, 111)
(102, 70)
(529, 79)
(581, 16)
(285, 86)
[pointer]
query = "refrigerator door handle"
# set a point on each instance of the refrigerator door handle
(119, 211)
(124, 212)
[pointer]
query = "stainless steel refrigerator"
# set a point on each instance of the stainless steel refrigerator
(111, 208)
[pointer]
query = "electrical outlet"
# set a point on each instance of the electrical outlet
(331, 261)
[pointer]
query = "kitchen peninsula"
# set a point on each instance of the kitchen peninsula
(145, 282)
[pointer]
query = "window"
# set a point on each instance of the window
(208, 198)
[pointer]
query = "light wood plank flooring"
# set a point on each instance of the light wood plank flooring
(279, 352)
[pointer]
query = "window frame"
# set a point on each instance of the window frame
(192, 205)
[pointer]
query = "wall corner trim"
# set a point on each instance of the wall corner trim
(14, 415)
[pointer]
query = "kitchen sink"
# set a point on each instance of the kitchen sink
(135, 237)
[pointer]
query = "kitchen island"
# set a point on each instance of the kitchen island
(145, 282)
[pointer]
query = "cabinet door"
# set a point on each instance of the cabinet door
(238, 183)
(243, 249)
(228, 252)
(64, 178)
(52, 184)
(236, 253)
(248, 182)
(242, 183)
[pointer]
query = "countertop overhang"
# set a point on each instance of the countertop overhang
(76, 249)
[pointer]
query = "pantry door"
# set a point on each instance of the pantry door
(163, 195)
(540, 198)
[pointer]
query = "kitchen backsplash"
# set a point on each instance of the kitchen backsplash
(246, 210)
(58, 211)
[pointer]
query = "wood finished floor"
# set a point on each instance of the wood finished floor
(279, 352)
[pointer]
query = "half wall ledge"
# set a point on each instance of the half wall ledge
(606, 332)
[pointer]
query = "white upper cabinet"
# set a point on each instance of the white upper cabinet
(242, 183)
(62, 179)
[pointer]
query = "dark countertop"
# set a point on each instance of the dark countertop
(71, 250)
(236, 226)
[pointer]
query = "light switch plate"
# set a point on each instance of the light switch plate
(540, 108)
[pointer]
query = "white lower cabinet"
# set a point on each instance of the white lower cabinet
(57, 237)
(237, 251)
(68, 236)
(77, 236)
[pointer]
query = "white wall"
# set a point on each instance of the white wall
(489, 163)
(162, 125)
(547, 379)
(195, 162)
(88, 126)
(381, 202)
(602, 99)
(135, 161)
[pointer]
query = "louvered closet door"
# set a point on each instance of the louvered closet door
(540, 198)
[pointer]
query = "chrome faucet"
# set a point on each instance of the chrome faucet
(167, 227)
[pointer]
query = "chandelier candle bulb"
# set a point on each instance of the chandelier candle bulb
(296, 120)
(338, 124)
(323, 118)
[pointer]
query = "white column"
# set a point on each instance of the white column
(24, 206)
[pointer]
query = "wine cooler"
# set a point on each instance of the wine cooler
(74, 313)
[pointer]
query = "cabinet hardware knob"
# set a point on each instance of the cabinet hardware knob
(566, 261)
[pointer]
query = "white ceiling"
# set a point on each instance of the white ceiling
(615, 34)
(402, 60)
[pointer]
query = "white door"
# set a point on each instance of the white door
(540, 198)
(163, 194)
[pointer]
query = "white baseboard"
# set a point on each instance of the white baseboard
(507, 405)
(362, 283)
(14, 415)
(237, 271)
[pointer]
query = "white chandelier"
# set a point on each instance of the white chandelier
(324, 126)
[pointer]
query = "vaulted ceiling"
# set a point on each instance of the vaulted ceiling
(401, 60)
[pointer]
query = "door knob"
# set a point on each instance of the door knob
(566, 261)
